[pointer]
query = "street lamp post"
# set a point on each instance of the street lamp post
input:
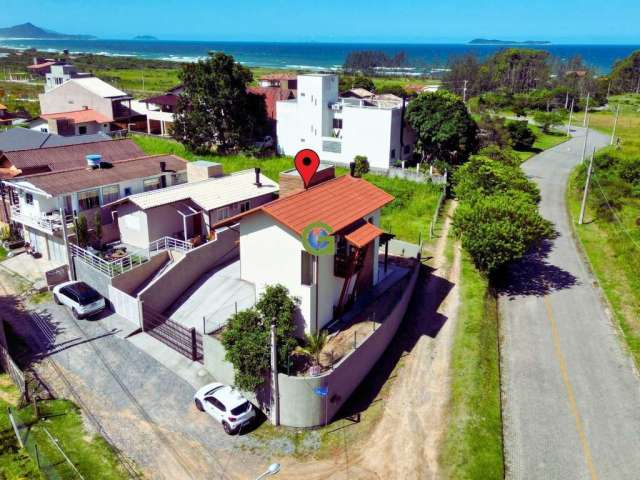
(272, 470)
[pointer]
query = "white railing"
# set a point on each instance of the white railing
(110, 268)
(48, 223)
(169, 243)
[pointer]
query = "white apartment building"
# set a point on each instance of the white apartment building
(338, 129)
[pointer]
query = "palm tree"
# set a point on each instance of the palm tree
(315, 344)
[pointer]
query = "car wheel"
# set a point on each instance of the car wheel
(199, 405)
(227, 428)
(56, 299)
(76, 315)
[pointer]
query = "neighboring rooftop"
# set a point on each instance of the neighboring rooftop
(96, 86)
(26, 139)
(30, 161)
(167, 99)
(78, 116)
(279, 76)
(77, 179)
(209, 194)
(271, 96)
(42, 65)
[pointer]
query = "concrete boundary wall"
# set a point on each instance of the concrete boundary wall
(300, 406)
(130, 281)
(168, 287)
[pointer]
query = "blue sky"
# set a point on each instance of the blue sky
(564, 21)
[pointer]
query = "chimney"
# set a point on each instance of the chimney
(352, 168)
(257, 170)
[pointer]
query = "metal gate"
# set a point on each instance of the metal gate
(186, 341)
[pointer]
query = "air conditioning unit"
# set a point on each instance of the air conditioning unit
(335, 106)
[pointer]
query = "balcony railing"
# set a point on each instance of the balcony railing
(169, 243)
(110, 268)
(48, 223)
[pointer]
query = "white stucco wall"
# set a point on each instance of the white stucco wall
(70, 97)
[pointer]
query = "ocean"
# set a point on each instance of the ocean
(311, 56)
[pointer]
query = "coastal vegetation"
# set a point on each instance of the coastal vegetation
(610, 235)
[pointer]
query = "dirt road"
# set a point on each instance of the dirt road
(404, 444)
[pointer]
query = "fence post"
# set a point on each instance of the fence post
(15, 427)
(194, 346)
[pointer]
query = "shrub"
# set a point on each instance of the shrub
(362, 165)
(246, 338)
(498, 229)
(493, 131)
(82, 231)
(521, 135)
(548, 120)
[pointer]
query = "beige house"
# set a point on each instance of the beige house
(187, 211)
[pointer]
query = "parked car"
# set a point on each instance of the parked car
(266, 142)
(79, 297)
(226, 405)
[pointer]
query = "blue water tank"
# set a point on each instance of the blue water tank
(94, 161)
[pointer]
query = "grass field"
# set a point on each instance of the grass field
(543, 142)
(613, 246)
(91, 455)
(472, 447)
(407, 217)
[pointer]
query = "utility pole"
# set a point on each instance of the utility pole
(586, 110)
(570, 117)
(586, 189)
(143, 81)
(464, 92)
(615, 125)
(275, 393)
(586, 140)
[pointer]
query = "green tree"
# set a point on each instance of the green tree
(493, 131)
(626, 74)
(82, 231)
(517, 69)
(315, 343)
(361, 165)
(361, 81)
(445, 130)
(97, 221)
(548, 120)
(521, 135)
(215, 108)
(246, 338)
(499, 229)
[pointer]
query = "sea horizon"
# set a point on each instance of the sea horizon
(312, 55)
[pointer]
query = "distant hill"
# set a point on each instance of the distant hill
(29, 30)
(484, 41)
(145, 37)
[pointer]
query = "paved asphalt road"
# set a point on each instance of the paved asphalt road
(571, 396)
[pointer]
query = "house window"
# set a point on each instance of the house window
(44, 129)
(306, 270)
(82, 130)
(127, 191)
(222, 213)
(151, 184)
(88, 199)
(244, 206)
(337, 123)
(407, 148)
(110, 193)
(393, 153)
(28, 198)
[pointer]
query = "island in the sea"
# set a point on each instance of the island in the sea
(145, 37)
(485, 41)
(29, 30)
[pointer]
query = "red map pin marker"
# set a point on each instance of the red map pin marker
(307, 162)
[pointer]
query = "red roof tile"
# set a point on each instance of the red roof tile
(363, 235)
(78, 116)
(41, 65)
(279, 76)
(272, 95)
(338, 202)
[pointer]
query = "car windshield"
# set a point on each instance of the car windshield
(85, 293)
(240, 408)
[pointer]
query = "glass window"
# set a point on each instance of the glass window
(151, 184)
(110, 193)
(88, 199)
(337, 123)
(393, 153)
(244, 206)
(306, 277)
(223, 213)
(127, 191)
(82, 130)
(29, 199)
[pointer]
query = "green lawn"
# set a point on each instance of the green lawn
(91, 455)
(472, 447)
(543, 142)
(407, 217)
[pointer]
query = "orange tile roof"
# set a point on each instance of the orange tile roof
(338, 202)
(279, 76)
(42, 65)
(78, 116)
(363, 235)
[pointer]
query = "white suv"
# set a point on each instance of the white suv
(79, 297)
(226, 405)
